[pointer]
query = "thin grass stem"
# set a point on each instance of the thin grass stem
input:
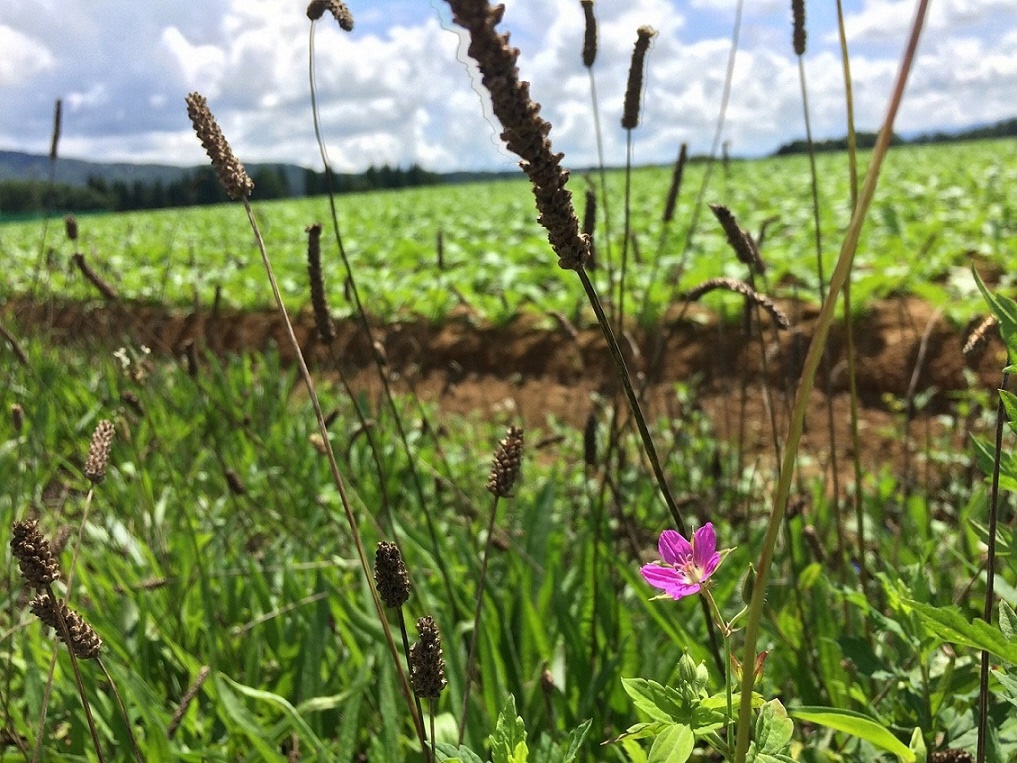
(990, 578)
(812, 360)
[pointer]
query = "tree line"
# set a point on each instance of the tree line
(197, 187)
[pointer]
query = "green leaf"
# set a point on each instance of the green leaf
(1005, 310)
(296, 723)
(673, 745)
(449, 753)
(1010, 405)
(773, 728)
(659, 702)
(917, 746)
(950, 625)
(1007, 621)
(508, 742)
(857, 725)
(1009, 685)
(574, 742)
(985, 455)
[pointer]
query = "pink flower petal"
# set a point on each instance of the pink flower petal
(673, 547)
(663, 577)
(681, 591)
(704, 545)
(711, 565)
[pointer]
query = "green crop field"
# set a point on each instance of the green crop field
(935, 204)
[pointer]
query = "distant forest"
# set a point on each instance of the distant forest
(1005, 129)
(197, 188)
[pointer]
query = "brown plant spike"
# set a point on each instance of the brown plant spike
(427, 666)
(634, 89)
(322, 318)
(733, 284)
(85, 642)
(505, 466)
(525, 133)
(98, 452)
(590, 224)
(338, 10)
(798, 36)
(979, 337)
(676, 183)
(186, 700)
(17, 417)
(35, 558)
(71, 227)
(590, 35)
(94, 278)
(390, 575)
(741, 240)
(57, 120)
(231, 172)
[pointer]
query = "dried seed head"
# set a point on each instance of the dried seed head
(231, 172)
(338, 10)
(634, 89)
(98, 452)
(547, 682)
(84, 641)
(979, 337)
(427, 667)
(953, 755)
(17, 417)
(676, 183)
(191, 356)
(798, 36)
(235, 484)
(94, 278)
(589, 224)
(71, 227)
(186, 700)
(505, 466)
(322, 318)
(733, 284)
(32, 550)
(390, 575)
(525, 133)
(57, 119)
(740, 240)
(590, 37)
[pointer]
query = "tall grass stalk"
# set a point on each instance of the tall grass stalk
(849, 331)
(799, 45)
(351, 519)
(816, 349)
(990, 578)
(361, 316)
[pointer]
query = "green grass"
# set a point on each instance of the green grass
(264, 587)
(935, 203)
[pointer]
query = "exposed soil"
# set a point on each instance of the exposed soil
(534, 369)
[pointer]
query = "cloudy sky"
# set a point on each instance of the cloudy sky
(396, 90)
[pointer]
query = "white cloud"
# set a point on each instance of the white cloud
(399, 89)
(23, 57)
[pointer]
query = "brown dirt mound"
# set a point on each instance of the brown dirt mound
(534, 368)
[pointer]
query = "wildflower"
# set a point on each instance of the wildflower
(686, 567)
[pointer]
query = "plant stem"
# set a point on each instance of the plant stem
(990, 578)
(812, 360)
(471, 660)
(337, 477)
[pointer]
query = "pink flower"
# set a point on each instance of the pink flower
(686, 566)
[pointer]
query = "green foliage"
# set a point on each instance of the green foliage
(498, 260)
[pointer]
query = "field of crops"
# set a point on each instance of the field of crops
(936, 204)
